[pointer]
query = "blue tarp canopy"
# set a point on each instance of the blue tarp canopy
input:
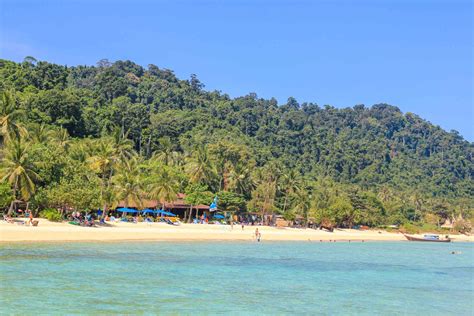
(167, 213)
(163, 212)
(218, 216)
(127, 210)
(148, 211)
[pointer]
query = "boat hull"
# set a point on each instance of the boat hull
(411, 238)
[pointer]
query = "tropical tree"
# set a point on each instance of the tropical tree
(61, 137)
(197, 194)
(10, 116)
(128, 183)
(40, 133)
(240, 179)
(230, 202)
(263, 198)
(291, 183)
(18, 169)
(303, 203)
(418, 201)
(166, 153)
(200, 167)
(105, 159)
(162, 184)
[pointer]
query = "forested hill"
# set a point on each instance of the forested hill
(369, 147)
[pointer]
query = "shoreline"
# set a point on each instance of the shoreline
(144, 232)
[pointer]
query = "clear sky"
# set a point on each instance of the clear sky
(415, 54)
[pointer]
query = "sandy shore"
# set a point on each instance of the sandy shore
(49, 231)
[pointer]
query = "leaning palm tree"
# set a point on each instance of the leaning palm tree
(17, 168)
(10, 116)
(127, 183)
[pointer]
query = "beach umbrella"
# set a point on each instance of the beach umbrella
(160, 212)
(148, 211)
(126, 210)
(169, 213)
(219, 216)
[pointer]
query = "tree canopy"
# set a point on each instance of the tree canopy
(366, 165)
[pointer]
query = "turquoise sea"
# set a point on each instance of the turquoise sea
(372, 278)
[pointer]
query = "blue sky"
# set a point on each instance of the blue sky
(417, 55)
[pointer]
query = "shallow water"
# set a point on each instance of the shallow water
(238, 278)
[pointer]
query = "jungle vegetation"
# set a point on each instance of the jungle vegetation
(86, 137)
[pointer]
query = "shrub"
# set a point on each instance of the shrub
(462, 226)
(51, 214)
(409, 228)
(432, 219)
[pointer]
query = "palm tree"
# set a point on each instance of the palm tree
(103, 162)
(240, 180)
(10, 116)
(291, 184)
(123, 146)
(385, 194)
(302, 203)
(162, 185)
(128, 183)
(17, 169)
(166, 154)
(263, 197)
(200, 167)
(40, 133)
(418, 201)
(61, 137)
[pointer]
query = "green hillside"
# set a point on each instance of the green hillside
(89, 136)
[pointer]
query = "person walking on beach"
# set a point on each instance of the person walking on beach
(30, 221)
(242, 222)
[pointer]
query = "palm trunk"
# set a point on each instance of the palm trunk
(10, 210)
(104, 211)
(12, 204)
(190, 214)
(285, 201)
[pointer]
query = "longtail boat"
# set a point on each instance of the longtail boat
(428, 238)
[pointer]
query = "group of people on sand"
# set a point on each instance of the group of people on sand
(28, 214)
(85, 220)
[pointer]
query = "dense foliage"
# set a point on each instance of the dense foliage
(89, 136)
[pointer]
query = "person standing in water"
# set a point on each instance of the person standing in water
(258, 235)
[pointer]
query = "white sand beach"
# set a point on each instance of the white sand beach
(50, 231)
